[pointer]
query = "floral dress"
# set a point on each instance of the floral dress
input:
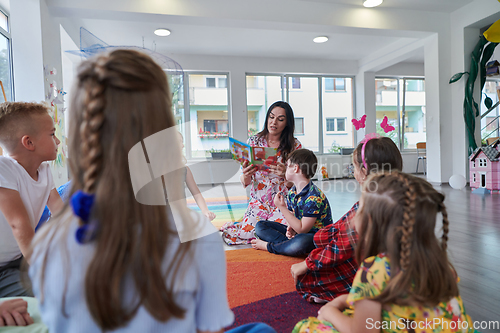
(369, 282)
(264, 187)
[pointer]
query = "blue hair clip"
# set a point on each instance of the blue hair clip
(82, 203)
(86, 233)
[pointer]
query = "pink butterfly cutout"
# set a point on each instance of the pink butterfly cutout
(359, 123)
(385, 125)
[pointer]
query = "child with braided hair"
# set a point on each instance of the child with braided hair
(116, 258)
(405, 282)
(329, 269)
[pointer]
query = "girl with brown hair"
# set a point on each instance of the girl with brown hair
(108, 262)
(329, 269)
(405, 282)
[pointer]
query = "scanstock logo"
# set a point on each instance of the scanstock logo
(157, 172)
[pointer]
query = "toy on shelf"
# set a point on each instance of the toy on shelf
(485, 169)
(324, 172)
(492, 68)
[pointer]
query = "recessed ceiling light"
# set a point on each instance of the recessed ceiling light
(320, 39)
(162, 32)
(372, 3)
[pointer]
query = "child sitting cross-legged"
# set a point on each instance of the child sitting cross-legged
(405, 282)
(306, 210)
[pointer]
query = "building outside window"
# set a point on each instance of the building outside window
(205, 119)
(334, 84)
(299, 126)
(335, 124)
(402, 101)
(328, 115)
(295, 82)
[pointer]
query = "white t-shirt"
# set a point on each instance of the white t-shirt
(34, 194)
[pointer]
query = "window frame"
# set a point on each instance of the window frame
(10, 93)
(336, 125)
(302, 132)
(401, 106)
(285, 89)
(187, 106)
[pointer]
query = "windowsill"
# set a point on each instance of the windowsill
(337, 133)
(335, 91)
(298, 134)
(212, 136)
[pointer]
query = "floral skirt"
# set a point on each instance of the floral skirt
(243, 232)
(313, 325)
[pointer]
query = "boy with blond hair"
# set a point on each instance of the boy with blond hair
(27, 137)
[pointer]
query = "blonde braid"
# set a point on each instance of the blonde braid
(409, 210)
(93, 120)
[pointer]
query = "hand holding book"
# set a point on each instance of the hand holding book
(262, 158)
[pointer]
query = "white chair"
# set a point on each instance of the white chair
(421, 155)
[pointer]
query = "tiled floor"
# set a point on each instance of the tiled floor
(474, 244)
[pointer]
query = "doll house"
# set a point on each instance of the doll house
(485, 168)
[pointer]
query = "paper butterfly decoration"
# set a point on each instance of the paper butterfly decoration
(385, 125)
(359, 123)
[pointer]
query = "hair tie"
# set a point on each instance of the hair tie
(367, 138)
(82, 203)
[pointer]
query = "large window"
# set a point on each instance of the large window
(402, 101)
(5, 59)
(305, 104)
(323, 107)
(262, 91)
(200, 105)
(338, 108)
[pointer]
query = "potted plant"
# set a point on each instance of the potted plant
(221, 153)
(335, 148)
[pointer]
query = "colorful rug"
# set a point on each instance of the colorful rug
(228, 210)
(261, 289)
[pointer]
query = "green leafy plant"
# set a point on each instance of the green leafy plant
(252, 131)
(335, 148)
(480, 57)
(213, 150)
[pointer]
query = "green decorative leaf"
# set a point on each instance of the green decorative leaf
(487, 53)
(488, 102)
(457, 77)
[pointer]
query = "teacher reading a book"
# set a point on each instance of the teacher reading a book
(277, 133)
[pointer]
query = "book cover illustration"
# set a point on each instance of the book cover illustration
(261, 157)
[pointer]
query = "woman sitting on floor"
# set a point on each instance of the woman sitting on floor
(277, 133)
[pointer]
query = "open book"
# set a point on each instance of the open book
(261, 157)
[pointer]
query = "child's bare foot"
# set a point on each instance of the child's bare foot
(259, 244)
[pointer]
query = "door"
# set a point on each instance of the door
(483, 180)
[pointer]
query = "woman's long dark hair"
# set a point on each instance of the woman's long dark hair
(287, 140)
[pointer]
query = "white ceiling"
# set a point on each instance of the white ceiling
(238, 28)
(445, 6)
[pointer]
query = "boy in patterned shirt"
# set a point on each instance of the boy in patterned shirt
(306, 210)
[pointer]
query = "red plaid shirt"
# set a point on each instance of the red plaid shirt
(331, 266)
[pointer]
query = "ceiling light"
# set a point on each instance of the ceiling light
(320, 39)
(372, 3)
(162, 32)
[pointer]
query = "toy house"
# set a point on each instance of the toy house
(485, 168)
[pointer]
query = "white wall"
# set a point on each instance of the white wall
(403, 69)
(465, 25)
(25, 23)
